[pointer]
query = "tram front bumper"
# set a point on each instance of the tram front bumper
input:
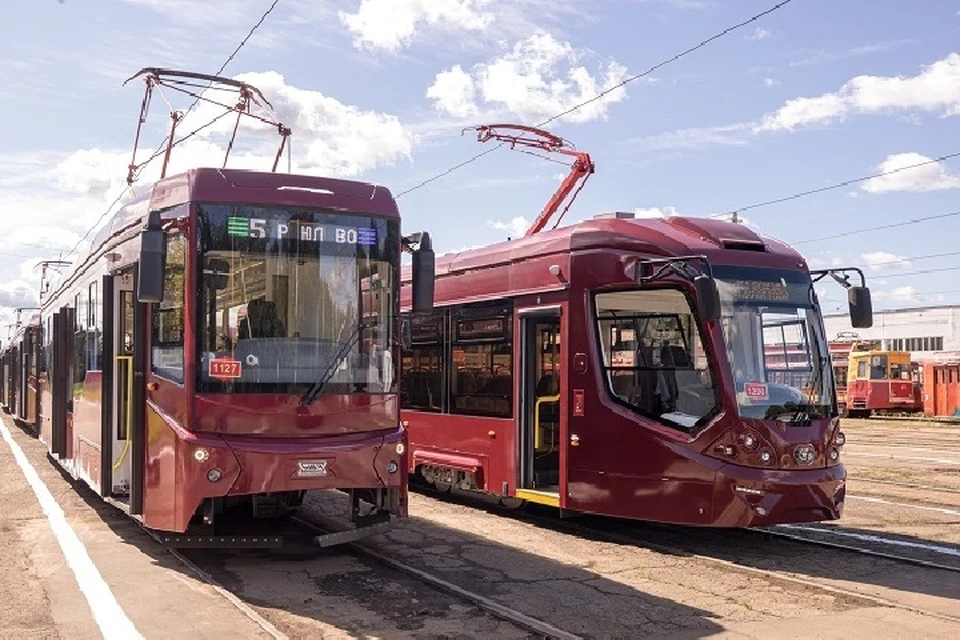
(748, 497)
(243, 465)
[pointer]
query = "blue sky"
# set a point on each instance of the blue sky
(817, 92)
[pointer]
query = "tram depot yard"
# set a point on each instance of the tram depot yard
(459, 567)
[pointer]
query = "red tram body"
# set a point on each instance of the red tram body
(574, 368)
(882, 382)
(267, 369)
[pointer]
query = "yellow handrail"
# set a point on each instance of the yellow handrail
(536, 418)
(129, 368)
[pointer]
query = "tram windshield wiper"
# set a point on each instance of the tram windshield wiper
(335, 363)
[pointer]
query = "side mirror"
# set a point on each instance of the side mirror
(424, 272)
(861, 307)
(406, 334)
(708, 296)
(153, 260)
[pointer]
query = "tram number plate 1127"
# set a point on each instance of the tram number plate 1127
(755, 391)
(225, 368)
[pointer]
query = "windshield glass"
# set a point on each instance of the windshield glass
(775, 343)
(291, 296)
(653, 356)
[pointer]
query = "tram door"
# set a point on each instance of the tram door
(540, 416)
(122, 410)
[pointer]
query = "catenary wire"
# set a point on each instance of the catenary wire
(607, 91)
(156, 154)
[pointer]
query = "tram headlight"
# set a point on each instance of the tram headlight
(400, 448)
(201, 455)
(834, 455)
(214, 475)
(749, 441)
(841, 439)
(766, 457)
(392, 466)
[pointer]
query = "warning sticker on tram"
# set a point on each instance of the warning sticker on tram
(755, 391)
(225, 368)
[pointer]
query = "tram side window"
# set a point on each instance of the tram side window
(481, 382)
(423, 366)
(653, 356)
(47, 344)
(167, 326)
(94, 337)
(79, 341)
(878, 368)
(861, 369)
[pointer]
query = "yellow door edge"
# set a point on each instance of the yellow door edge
(540, 497)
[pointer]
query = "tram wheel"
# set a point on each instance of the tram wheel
(509, 502)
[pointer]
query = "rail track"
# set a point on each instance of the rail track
(522, 620)
(618, 532)
(819, 536)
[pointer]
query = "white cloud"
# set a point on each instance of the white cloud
(454, 91)
(516, 226)
(759, 34)
(929, 177)
(655, 212)
(771, 82)
(734, 135)
(329, 138)
(936, 89)
(539, 77)
(390, 25)
(878, 260)
(820, 57)
(17, 294)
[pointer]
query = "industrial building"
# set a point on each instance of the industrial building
(919, 330)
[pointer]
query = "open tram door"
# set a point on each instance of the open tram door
(124, 353)
(539, 437)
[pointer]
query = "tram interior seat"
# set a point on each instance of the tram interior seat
(422, 389)
(686, 391)
(262, 321)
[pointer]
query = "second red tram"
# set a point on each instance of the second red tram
(590, 368)
(230, 338)
(882, 382)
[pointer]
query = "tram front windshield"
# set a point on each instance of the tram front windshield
(291, 297)
(775, 343)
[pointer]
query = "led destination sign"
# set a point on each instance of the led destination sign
(286, 229)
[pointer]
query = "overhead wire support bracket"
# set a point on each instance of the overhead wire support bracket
(534, 138)
(247, 96)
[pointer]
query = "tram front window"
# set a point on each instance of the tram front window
(775, 343)
(653, 357)
(290, 297)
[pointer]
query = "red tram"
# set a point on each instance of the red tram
(584, 368)
(230, 337)
(630, 367)
(881, 381)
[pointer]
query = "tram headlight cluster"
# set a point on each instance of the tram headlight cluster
(745, 445)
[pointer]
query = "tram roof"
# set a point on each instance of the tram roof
(259, 187)
(671, 236)
(242, 186)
